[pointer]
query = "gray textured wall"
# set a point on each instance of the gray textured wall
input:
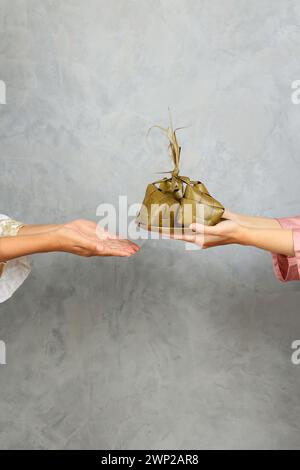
(170, 349)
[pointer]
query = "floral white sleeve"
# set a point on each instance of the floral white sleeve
(9, 227)
(13, 273)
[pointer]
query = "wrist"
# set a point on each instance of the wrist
(52, 241)
(242, 235)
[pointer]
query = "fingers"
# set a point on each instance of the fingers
(88, 244)
(117, 248)
(205, 229)
(186, 238)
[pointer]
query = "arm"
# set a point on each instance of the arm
(14, 247)
(230, 232)
(274, 240)
(34, 229)
(252, 221)
(281, 237)
(80, 237)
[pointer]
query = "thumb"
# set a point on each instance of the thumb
(200, 228)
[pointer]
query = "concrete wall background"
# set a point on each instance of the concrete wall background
(169, 349)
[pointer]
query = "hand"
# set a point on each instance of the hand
(224, 233)
(78, 237)
(228, 232)
(90, 229)
(84, 238)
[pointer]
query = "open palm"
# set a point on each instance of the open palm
(85, 238)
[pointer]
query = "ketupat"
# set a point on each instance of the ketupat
(176, 202)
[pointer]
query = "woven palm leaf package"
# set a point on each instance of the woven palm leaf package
(173, 204)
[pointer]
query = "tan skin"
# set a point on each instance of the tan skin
(260, 232)
(79, 237)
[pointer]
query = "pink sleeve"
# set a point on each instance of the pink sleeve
(287, 268)
(290, 223)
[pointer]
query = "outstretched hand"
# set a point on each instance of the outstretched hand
(85, 238)
(224, 233)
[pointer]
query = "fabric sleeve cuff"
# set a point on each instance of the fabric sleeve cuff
(287, 268)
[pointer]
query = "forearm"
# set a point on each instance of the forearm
(36, 229)
(273, 240)
(252, 221)
(14, 247)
